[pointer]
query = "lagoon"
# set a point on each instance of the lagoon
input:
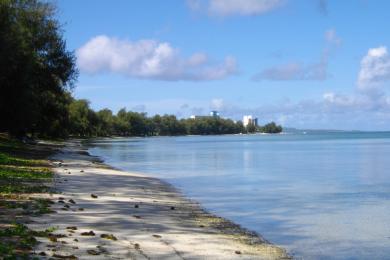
(319, 194)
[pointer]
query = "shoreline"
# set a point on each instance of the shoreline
(133, 216)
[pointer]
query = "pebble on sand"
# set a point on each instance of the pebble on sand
(90, 233)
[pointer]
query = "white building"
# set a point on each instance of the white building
(248, 119)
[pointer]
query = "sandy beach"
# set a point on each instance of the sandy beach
(104, 213)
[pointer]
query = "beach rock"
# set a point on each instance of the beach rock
(52, 239)
(156, 236)
(42, 253)
(60, 198)
(172, 208)
(72, 201)
(69, 257)
(82, 171)
(90, 233)
(93, 252)
(66, 206)
(238, 252)
(72, 228)
(136, 206)
(81, 209)
(94, 196)
(136, 216)
(108, 236)
(137, 246)
(75, 240)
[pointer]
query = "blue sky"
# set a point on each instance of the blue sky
(301, 63)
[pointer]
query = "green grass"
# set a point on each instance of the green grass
(22, 171)
(19, 174)
(6, 159)
(17, 240)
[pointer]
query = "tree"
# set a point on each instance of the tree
(271, 128)
(36, 70)
(79, 118)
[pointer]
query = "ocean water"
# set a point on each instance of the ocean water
(320, 195)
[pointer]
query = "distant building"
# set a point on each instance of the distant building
(214, 113)
(249, 120)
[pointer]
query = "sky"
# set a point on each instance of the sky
(319, 64)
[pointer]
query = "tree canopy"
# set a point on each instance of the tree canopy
(37, 71)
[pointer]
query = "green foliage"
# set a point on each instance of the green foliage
(271, 128)
(21, 175)
(16, 241)
(36, 69)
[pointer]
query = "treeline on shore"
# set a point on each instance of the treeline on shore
(83, 121)
(38, 76)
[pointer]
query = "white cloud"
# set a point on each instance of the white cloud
(235, 7)
(317, 71)
(149, 59)
(294, 71)
(217, 104)
(374, 69)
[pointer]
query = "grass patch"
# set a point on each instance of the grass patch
(6, 159)
(23, 170)
(17, 241)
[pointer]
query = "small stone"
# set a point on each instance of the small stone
(136, 216)
(72, 228)
(109, 236)
(69, 173)
(157, 236)
(82, 171)
(136, 206)
(90, 233)
(61, 201)
(75, 240)
(81, 209)
(94, 196)
(66, 206)
(238, 252)
(52, 239)
(75, 247)
(42, 253)
(60, 198)
(70, 257)
(72, 201)
(137, 246)
(93, 252)
(172, 208)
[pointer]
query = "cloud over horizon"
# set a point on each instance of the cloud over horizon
(374, 69)
(223, 8)
(149, 59)
(317, 71)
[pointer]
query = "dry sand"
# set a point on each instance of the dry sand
(148, 218)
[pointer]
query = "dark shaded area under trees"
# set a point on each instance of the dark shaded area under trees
(38, 73)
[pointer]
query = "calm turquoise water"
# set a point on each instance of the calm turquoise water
(320, 195)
